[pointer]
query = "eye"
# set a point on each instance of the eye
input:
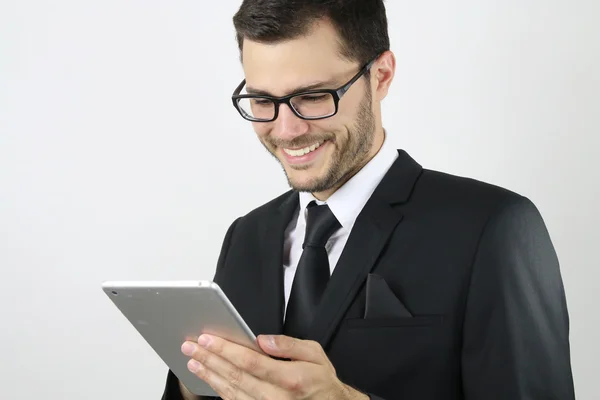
(315, 97)
(261, 102)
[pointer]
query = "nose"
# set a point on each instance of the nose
(288, 125)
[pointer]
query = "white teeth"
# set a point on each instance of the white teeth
(301, 152)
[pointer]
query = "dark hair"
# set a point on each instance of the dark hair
(361, 24)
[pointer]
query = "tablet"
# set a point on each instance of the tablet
(167, 314)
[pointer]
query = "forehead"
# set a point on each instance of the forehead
(280, 67)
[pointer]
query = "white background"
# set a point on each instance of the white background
(121, 157)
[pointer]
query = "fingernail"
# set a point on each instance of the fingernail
(204, 341)
(194, 366)
(187, 349)
(271, 342)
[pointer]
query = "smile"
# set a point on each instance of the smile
(303, 151)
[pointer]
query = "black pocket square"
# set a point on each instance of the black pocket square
(381, 301)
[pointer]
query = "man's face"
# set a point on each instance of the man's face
(318, 155)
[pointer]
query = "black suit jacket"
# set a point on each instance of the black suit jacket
(448, 288)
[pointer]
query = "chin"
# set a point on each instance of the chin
(307, 178)
(300, 184)
(305, 183)
(313, 183)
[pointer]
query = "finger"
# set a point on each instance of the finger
(218, 383)
(288, 347)
(309, 369)
(282, 374)
(221, 373)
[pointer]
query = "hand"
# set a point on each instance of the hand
(238, 373)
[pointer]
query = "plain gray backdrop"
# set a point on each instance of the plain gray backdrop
(121, 157)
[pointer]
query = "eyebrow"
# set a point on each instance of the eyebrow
(317, 85)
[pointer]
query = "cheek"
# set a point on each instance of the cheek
(333, 125)
(338, 127)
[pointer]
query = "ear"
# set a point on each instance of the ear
(382, 74)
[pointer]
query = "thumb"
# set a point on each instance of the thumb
(282, 346)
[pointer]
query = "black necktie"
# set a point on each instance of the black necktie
(312, 273)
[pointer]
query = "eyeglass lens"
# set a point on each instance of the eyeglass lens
(312, 105)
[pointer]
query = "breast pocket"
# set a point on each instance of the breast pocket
(367, 352)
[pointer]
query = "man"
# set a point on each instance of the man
(373, 277)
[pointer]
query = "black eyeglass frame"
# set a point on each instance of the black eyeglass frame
(336, 94)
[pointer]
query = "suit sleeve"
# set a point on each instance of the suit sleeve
(516, 326)
(172, 391)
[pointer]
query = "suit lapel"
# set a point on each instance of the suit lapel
(368, 238)
(272, 299)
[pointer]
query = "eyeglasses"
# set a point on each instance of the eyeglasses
(308, 105)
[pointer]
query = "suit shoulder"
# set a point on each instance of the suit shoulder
(466, 193)
(269, 207)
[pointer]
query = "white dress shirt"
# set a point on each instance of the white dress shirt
(346, 203)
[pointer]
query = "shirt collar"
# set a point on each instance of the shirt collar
(348, 201)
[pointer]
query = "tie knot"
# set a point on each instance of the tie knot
(320, 225)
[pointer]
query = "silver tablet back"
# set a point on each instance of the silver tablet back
(168, 313)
